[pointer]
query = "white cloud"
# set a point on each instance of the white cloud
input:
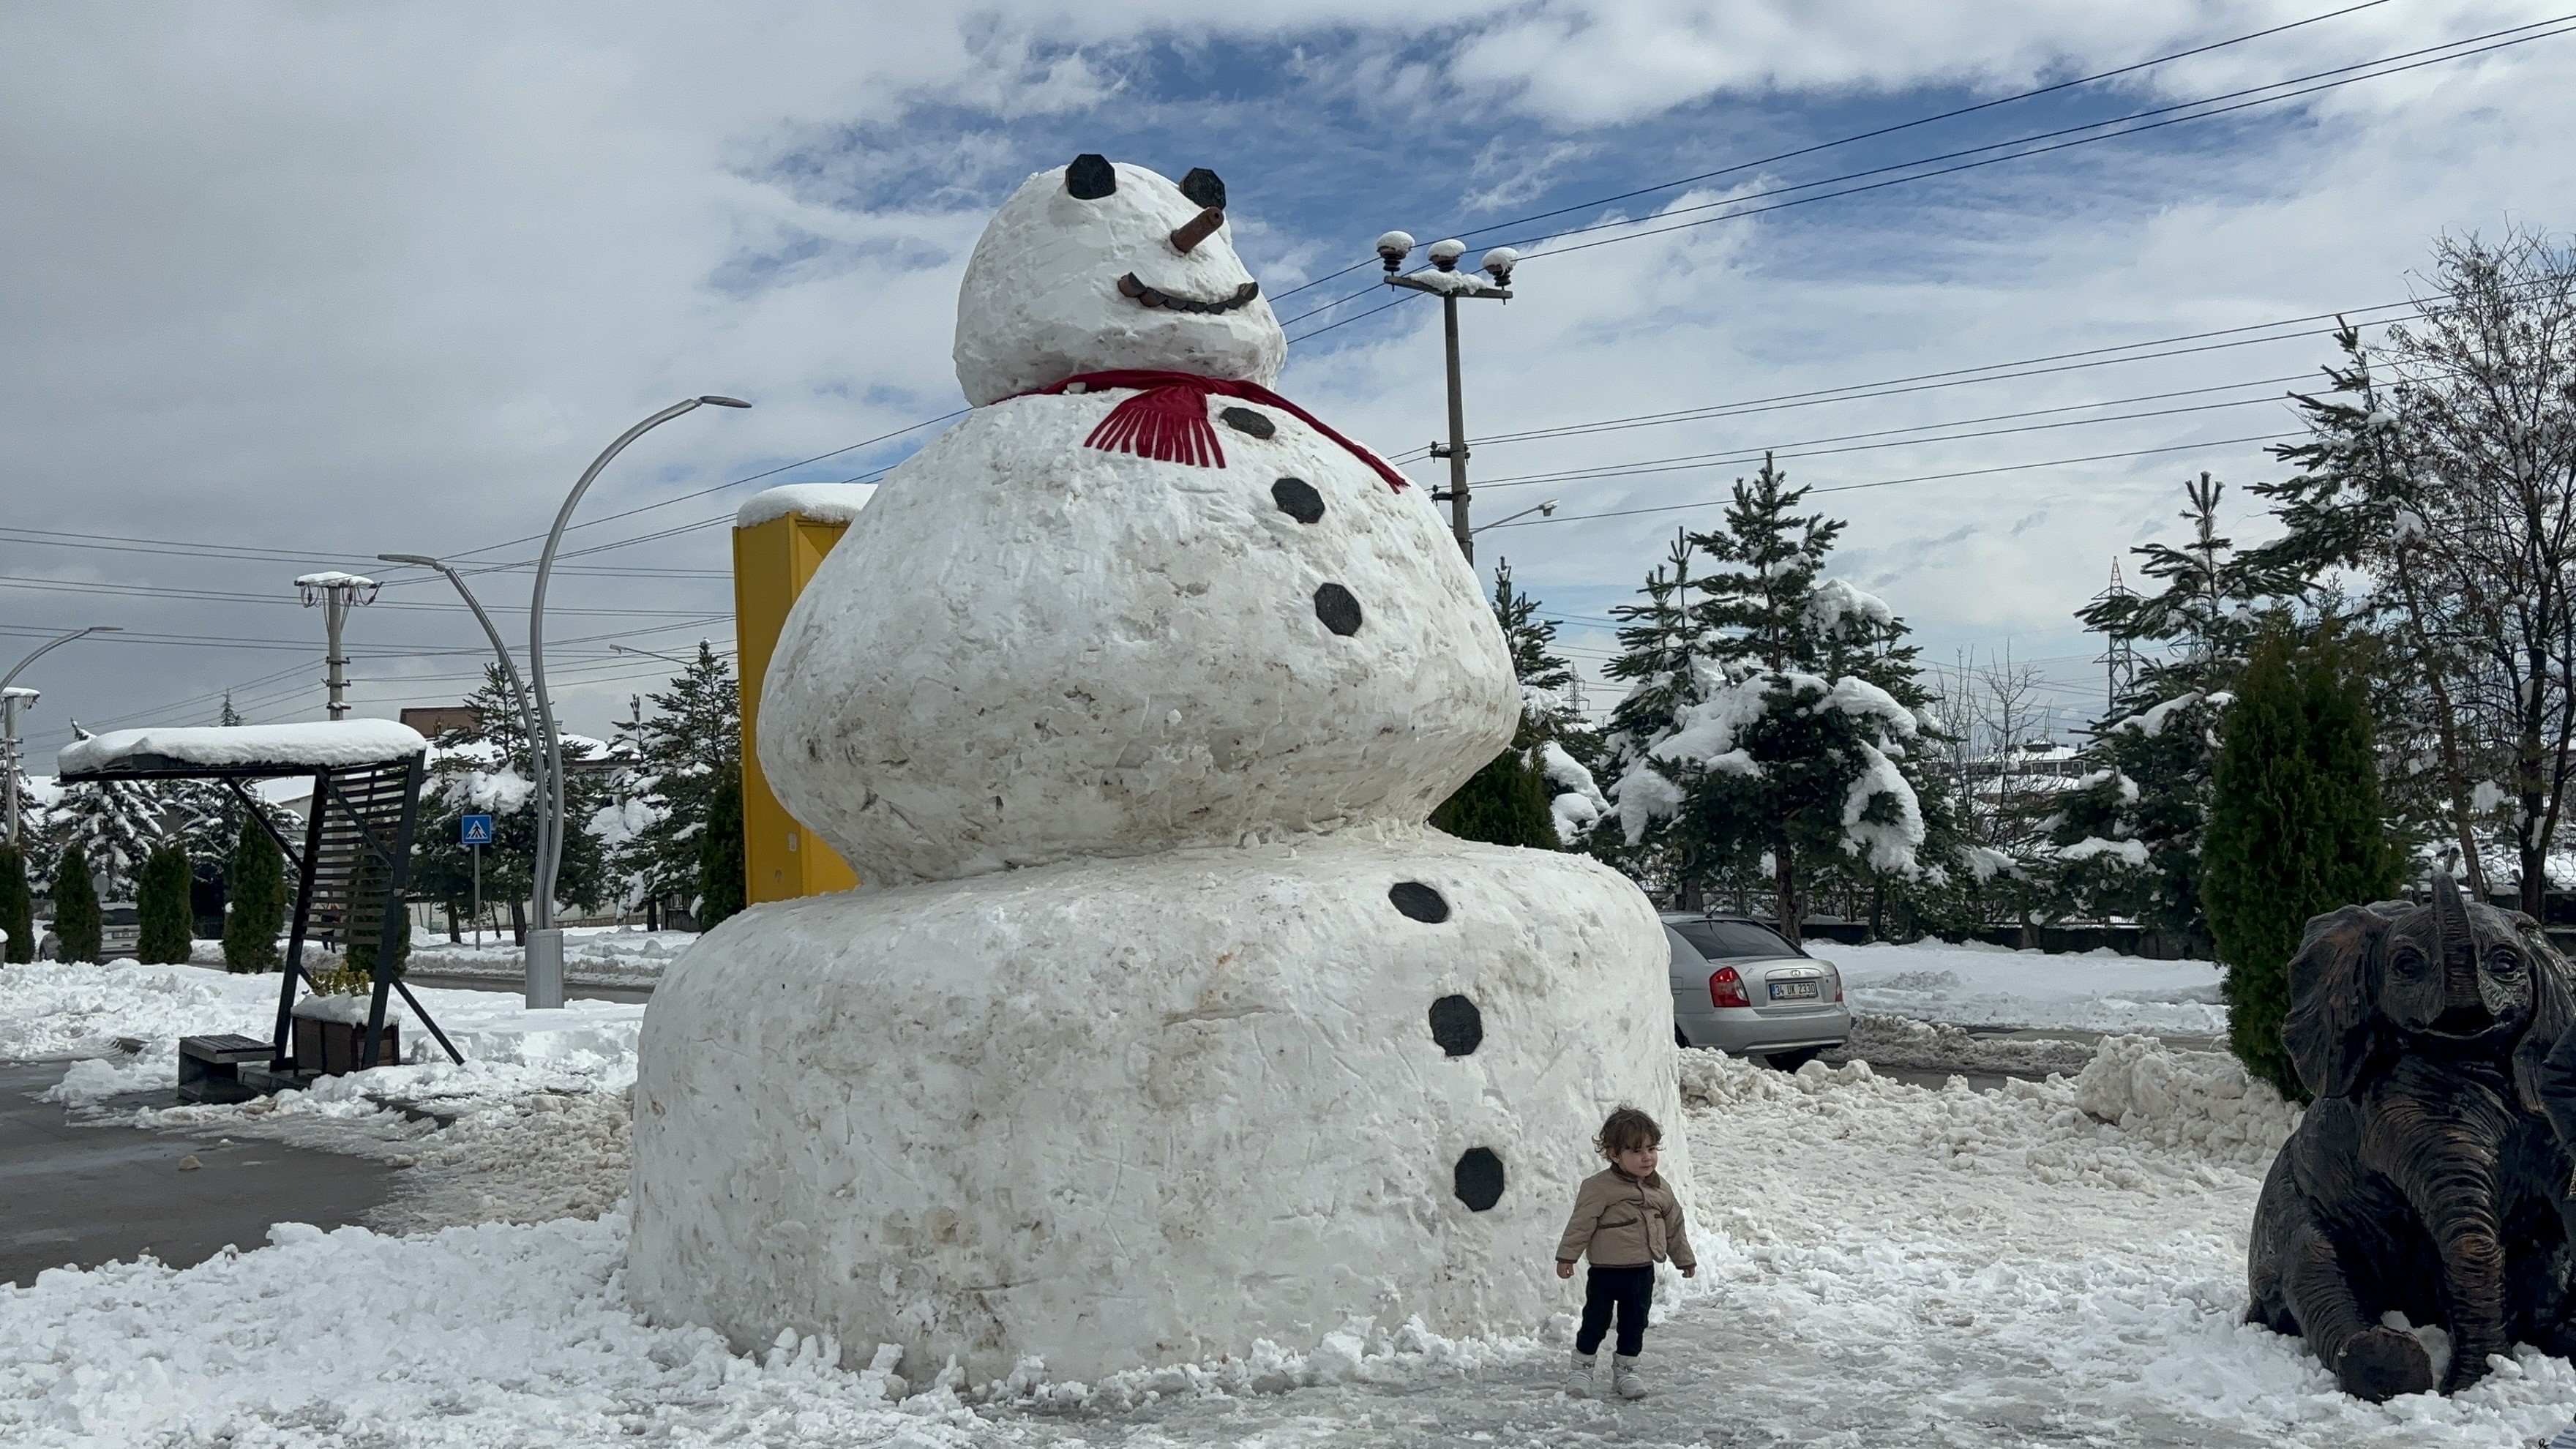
(373, 279)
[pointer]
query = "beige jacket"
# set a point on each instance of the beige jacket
(1623, 1222)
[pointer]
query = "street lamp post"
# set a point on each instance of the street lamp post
(545, 940)
(1546, 509)
(9, 702)
(518, 696)
(1449, 284)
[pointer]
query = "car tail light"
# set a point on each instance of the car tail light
(1726, 988)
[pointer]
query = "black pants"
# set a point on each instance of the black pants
(1627, 1289)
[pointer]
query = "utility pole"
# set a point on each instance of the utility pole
(1445, 281)
(10, 699)
(337, 593)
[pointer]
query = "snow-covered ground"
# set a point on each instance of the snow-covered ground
(593, 955)
(1980, 985)
(2059, 1262)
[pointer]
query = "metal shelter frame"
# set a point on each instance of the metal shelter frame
(369, 847)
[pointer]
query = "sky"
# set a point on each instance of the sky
(292, 285)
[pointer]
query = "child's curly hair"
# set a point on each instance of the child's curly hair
(1627, 1130)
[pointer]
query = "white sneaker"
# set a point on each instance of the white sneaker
(1623, 1377)
(1578, 1384)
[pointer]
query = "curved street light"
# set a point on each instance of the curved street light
(501, 651)
(9, 723)
(545, 939)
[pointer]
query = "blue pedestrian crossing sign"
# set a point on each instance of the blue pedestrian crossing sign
(474, 830)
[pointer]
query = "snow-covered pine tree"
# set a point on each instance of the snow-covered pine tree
(116, 824)
(488, 770)
(2128, 839)
(1507, 802)
(1659, 659)
(681, 752)
(1806, 704)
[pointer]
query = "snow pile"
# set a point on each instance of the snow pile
(622, 956)
(50, 1010)
(474, 1337)
(820, 502)
(1578, 803)
(325, 745)
(2203, 1102)
(1892, 1041)
(1974, 984)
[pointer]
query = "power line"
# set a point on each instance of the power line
(1924, 478)
(2026, 141)
(1874, 134)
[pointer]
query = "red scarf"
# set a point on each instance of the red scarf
(1167, 419)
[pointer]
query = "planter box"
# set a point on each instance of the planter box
(335, 1048)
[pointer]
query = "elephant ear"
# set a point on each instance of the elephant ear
(2553, 1008)
(2332, 1027)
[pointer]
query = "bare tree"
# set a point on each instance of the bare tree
(2442, 467)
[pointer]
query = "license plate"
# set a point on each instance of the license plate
(1794, 990)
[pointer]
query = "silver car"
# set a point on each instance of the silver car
(1740, 987)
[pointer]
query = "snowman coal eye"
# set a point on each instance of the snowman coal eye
(1090, 177)
(1203, 188)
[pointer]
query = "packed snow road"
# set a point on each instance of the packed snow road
(2052, 1263)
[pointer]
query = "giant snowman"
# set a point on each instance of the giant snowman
(1162, 1023)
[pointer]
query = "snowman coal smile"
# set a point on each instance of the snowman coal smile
(1155, 297)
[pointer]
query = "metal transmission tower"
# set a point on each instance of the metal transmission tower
(337, 593)
(2120, 658)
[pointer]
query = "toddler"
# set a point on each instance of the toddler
(1626, 1220)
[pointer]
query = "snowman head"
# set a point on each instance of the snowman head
(1099, 266)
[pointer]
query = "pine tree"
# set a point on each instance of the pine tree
(490, 770)
(2294, 827)
(1667, 675)
(17, 909)
(164, 912)
(1506, 802)
(116, 823)
(681, 752)
(2128, 840)
(257, 882)
(722, 874)
(76, 919)
(1787, 759)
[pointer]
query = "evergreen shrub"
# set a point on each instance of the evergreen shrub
(76, 918)
(162, 908)
(17, 910)
(2295, 828)
(258, 914)
(1505, 803)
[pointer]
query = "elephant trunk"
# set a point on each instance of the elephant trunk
(2458, 944)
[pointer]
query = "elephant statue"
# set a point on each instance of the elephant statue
(2426, 1178)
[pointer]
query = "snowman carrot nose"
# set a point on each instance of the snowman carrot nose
(1197, 229)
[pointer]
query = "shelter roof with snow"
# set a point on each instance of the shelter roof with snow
(248, 750)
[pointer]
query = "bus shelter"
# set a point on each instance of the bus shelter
(351, 868)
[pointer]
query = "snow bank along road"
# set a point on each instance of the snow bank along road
(2053, 1263)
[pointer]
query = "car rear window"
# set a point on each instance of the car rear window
(1720, 939)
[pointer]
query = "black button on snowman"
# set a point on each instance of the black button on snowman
(1162, 1024)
